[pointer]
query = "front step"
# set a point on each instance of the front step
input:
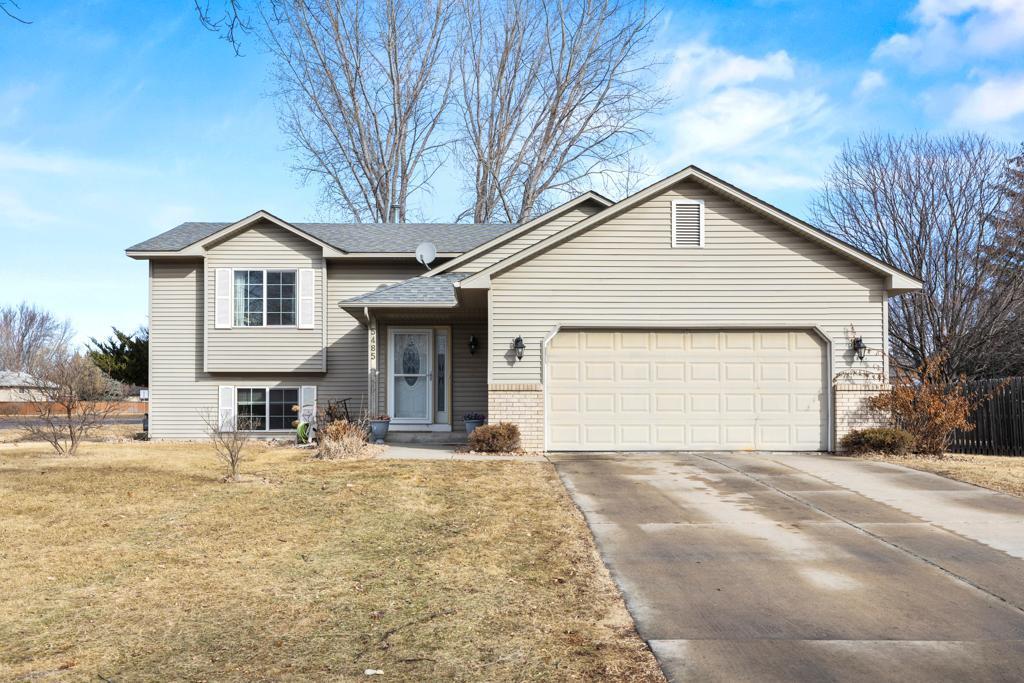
(445, 438)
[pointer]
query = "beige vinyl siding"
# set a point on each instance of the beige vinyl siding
(346, 348)
(529, 238)
(265, 349)
(751, 273)
(469, 371)
(181, 394)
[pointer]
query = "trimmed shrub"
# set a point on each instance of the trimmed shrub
(879, 440)
(342, 439)
(497, 438)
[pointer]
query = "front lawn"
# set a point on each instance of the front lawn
(132, 561)
(991, 471)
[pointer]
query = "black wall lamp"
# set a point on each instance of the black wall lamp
(472, 344)
(520, 346)
(858, 347)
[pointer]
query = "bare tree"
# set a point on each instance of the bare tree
(231, 21)
(10, 7)
(229, 439)
(364, 86)
(929, 206)
(69, 397)
(549, 97)
(27, 333)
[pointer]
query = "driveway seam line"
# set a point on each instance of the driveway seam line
(862, 530)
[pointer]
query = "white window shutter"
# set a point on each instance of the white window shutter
(307, 298)
(223, 298)
(226, 408)
(687, 224)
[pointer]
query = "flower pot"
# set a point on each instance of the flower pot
(472, 424)
(379, 429)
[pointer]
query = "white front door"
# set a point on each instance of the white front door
(410, 376)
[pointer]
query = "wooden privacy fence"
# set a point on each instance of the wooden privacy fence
(998, 420)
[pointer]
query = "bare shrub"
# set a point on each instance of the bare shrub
(342, 439)
(229, 443)
(502, 437)
(887, 440)
(69, 398)
(928, 406)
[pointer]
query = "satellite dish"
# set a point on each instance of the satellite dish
(426, 252)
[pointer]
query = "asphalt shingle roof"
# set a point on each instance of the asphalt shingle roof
(438, 290)
(353, 238)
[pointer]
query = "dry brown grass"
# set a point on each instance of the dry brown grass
(991, 471)
(132, 562)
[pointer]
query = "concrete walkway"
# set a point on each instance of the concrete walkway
(447, 452)
(784, 567)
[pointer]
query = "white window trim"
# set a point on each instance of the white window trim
(234, 303)
(688, 202)
(266, 403)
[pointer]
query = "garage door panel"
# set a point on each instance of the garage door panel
(634, 372)
(598, 404)
(702, 390)
(704, 372)
(564, 370)
(739, 404)
(634, 403)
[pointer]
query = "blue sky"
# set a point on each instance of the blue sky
(121, 119)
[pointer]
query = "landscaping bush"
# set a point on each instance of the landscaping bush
(343, 439)
(880, 440)
(928, 406)
(497, 438)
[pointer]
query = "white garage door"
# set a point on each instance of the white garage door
(668, 390)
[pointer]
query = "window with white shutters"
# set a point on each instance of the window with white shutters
(687, 223)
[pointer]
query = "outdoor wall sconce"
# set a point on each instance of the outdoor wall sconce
(472, 344)
(858, 347)
(520, 346)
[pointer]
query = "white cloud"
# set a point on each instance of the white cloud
(870, 81)
(22, 159)
(734, 119)
(947, 31)
(697, 65)
(994, 101)
(744, 117)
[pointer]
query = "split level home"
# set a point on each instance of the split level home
(688, 316)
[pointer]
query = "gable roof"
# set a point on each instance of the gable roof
(337, 238)
(897, 280)
(522, 229)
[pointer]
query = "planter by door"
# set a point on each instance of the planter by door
(379, 430)
(473, 424)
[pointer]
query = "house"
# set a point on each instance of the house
(17, 387)
(690, 315)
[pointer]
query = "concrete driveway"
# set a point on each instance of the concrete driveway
(785, 567)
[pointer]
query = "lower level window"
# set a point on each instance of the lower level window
(263, 409)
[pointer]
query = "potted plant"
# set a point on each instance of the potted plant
(473, 420)
(379, 427)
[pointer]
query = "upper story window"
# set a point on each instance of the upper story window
(264, 298)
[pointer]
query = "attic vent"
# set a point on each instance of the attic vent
(687, 223)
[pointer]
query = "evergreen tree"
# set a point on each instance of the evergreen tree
(124, 357)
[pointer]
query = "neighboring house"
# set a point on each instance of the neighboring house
(17, 391)
(687, 316)
(16, 387)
